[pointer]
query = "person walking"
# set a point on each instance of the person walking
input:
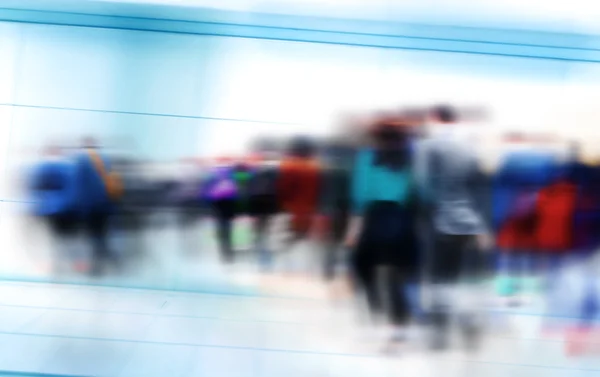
(263, 205)
(298, 186)
(221, 191)
(451, 185)
(382, 230)
(99, 190)
(54, 194)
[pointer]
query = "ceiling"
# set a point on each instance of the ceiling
(578, 16)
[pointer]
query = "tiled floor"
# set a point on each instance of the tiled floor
(89, 331)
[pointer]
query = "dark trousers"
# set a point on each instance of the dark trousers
(261, 226)
(261, 235)
(453, 257)
(333, 250)
(96, 225)
(224, 212)
(389, 298)
(224, 227)
(63, 227)
(387, 240)
(62, 224)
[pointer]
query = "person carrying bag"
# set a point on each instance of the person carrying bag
(112, 181)
(99, 190)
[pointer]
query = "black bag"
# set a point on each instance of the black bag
(262, 192)
(263, 183)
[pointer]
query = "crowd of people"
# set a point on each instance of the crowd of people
(393, 200)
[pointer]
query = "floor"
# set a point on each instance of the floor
(159, 256)
(236, 323)
(97, 331)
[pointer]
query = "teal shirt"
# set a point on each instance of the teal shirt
(372, 182)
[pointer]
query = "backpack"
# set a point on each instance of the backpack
(50, 180)
(222, 186)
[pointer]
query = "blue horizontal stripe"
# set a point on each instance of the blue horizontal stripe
(30, 374)
(521, 44)
(373, 356)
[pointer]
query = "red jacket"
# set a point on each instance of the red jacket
(298, 189)
(555, 211)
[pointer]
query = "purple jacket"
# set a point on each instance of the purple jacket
(220, 184)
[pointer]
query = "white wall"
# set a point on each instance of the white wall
(176, 95)
(173, 95)
(72, 70)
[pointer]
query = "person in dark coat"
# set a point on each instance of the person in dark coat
(382, 229)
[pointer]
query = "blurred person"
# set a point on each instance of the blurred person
(54, 193)
(133, 210)
(382, 230)
(189, 204)
(263, 204)
(186, 194)
(99, 190)
(413, 120)
(450, 183)
(221, 192)
(298, 188)
(525, 169)
(242, 173)
(335, 205)
(566, 217)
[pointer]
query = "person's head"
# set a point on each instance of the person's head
(391, 144)
(302, 147)
(89, 142)
(388, 136)
(444, 114)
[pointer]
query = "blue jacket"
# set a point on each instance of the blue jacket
(53, 201)
(531, 170)
(93, 196)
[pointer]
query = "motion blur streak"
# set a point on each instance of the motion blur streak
(310, 187)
